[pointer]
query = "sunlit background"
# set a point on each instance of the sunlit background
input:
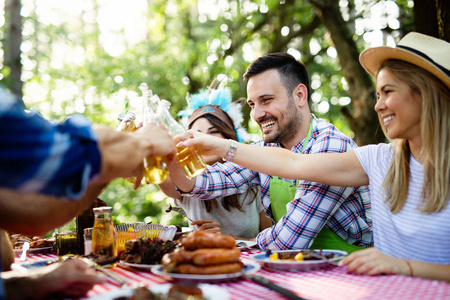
(123, 24)
(93, 56)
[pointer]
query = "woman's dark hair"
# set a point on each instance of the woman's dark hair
(292, 71)
(231, 201)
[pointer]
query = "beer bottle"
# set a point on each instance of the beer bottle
(155, 168)
(127, 122)
(187, 157)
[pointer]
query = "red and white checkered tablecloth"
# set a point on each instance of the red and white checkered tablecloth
(332, 283)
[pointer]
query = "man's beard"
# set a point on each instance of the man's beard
(286, 132)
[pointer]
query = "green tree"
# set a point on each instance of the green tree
(71, 63)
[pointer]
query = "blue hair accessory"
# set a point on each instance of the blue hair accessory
(220, 97)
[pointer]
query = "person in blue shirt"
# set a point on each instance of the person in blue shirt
(50, 173)
(39, 156)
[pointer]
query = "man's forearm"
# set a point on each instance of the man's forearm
(22, 286)
(36, 214)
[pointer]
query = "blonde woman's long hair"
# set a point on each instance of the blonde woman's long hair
(435, 131)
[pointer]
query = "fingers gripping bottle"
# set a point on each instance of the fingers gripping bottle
(155, 168)
(187, 157)
(127, 124)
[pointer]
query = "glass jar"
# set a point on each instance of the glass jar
(103, 233)
(66, 239)
(86, 220)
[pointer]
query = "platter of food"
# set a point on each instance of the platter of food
(126, 232)
(37, 243)
(162, 291)
(299, 260)
(35, 250)
(207, 291)
(145, 253)
(250, 267)
(205, 257)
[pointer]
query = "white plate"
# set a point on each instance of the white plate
(290, 265)
(248, 244)
(34, 250)
(137, 266)
(250, 267)
(210, 292)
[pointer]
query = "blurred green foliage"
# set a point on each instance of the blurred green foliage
(67, 67)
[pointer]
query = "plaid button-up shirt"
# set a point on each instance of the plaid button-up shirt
(42, 157)
(344, 210)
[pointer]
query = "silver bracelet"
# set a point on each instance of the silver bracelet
(231, 151)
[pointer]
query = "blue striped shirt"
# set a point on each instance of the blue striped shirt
(39, 156)
(410, 233)
(344, 210)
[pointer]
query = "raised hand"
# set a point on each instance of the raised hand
(205, 143)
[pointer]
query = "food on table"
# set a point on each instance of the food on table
(206, 239)
(123, 236)
(140, 293)
(204, 253)
(35, 241)
(186, 290)
(146, 251)
(102, 260)
(178, 291)
(300, 255)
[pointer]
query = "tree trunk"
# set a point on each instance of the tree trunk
(362, 118)
(443, 19)
(12, 46)
(425, 17)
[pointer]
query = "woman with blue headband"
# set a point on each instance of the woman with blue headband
(241, 215)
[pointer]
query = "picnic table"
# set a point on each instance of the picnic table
(329, 283)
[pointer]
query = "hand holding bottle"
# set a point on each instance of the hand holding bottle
(187, 157)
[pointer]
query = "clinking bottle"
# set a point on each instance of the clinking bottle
(127, 124)
(187, 157)
(155, 168)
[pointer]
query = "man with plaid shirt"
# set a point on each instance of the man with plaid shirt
(305, 214)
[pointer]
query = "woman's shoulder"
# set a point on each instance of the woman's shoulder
(374, 156)
(376, 150)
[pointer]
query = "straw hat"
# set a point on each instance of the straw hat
(424, 51)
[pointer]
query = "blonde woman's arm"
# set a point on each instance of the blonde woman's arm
(340, 169)
(373, 262)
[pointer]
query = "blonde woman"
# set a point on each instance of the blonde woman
(409, 178)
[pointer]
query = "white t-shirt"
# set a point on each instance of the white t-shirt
(409, 233)
(235, 222)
